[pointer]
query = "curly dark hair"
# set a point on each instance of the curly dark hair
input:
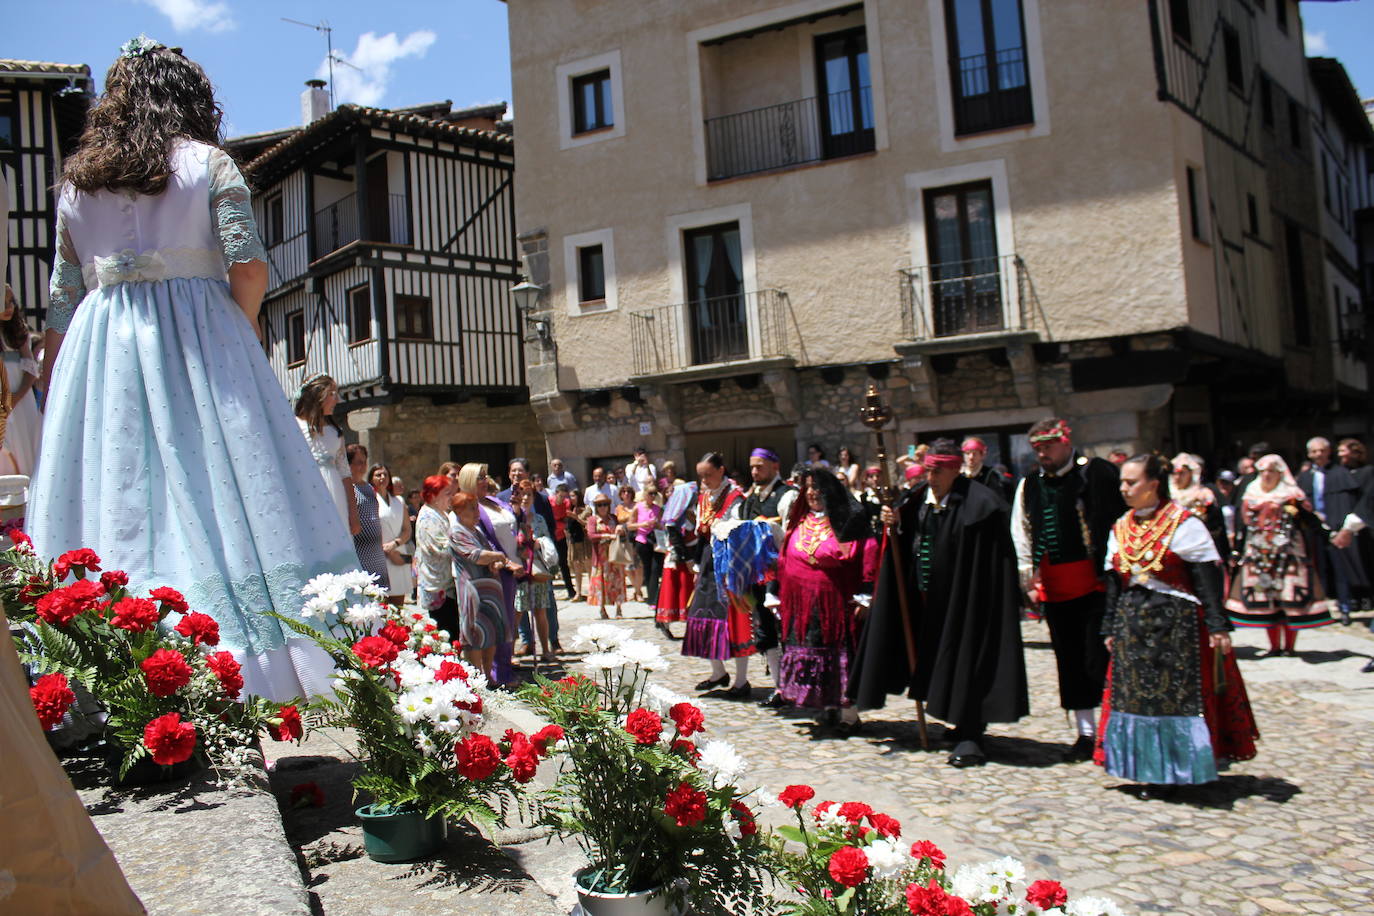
(150, 101)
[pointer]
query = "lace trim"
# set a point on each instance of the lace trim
(129, 266)
(238, 234)
(67, 287)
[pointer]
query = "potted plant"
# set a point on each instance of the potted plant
(846, 858)
(658, 815)
(169, 699)
(417, 709)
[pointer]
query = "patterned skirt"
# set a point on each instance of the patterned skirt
(607, 584)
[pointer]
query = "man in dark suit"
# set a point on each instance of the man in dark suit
(1333, 492)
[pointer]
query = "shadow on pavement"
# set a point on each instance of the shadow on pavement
(1224, 793)
(469, 862)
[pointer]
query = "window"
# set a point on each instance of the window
(1194, 213)
(1181, 19)
(274, 227)
(1295, 124)
(1281, 14)
(6, 132)
(295, 337)
(965, 275)
(359, 314)
(846, 95)
(591, 100)
(987, 57)
(591, 274)
(716, 294)
(1253, 209)
(1235, 67)
(1326, 182)
(1297, 286)
(1266, 99)
(413, 317)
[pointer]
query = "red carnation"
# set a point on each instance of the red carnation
(169, 739)
(747, 825)
(137, 615)
(200, 627)
(1045, 894)
(934, 900)
(83, 560)
(848, 866)
(286, 725)
(395, 633)
(645, 725)
(21, 540)
(61, 605)
(448, 670)
(375, 651)
(170, 599)
(925, 849)
(478, 757)
(51, 699)
(523, 758)
(307, 795)
(796, 796)
(686, 805)
(887, 826)
(224, 667)
(166, 672)
(687, 718)
(854, 811)
(546, 738)
(113, 579)
(687, 749)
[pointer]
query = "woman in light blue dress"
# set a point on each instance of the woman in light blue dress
(170, 447)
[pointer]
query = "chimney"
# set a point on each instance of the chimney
(314, 102)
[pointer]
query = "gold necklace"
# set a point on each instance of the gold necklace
(812, 533)
(1142, 543)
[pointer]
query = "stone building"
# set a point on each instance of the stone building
(741, 212)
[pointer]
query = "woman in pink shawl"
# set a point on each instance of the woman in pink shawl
(1274, 585)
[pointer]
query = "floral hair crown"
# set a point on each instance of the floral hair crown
(305, 383)
(137, 47)
(1058, 433)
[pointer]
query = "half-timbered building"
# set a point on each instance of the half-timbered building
(390, 237)
(42, 110)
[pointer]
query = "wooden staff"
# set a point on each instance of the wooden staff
(876, 415)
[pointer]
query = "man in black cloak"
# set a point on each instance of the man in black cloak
(961, 586)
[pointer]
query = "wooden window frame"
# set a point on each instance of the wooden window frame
(583, 252)
(1194, 204)
(349, 294)
(605, 107)
(404, 301)
(1181, 21)
(957, 99)
(1235, 59)
(292, 359)
(1281, 15)
(1252, 210)
(1266, 100)
(274, 223)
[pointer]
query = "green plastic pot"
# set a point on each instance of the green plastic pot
(400, 834)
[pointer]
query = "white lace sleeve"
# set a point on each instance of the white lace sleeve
(68, 287)
(231, 212)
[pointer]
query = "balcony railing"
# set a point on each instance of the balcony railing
(337, 225)
(807, 130)
(979, 105)
(725, 329)
(981, 296)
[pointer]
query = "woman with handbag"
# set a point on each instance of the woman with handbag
(534, 590)
(625, 516)
(391, 512)
(608, 558)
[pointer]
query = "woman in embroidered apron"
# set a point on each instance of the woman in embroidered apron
(169, 447)
(1175, 705)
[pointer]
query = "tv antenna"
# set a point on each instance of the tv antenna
(328, 30)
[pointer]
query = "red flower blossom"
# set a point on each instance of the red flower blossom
(286, 725)
(113, 579)
(448, 670)
(687, 718)
(166, 672)
(925, 849)
(645, 725)
(83, 560)
(137, 615)
(375, 651)
(686, 805)
(886, 826)
(200, 627)
(854, 811)
(848, 866)
(822, 809)
(224, 667)
(307, 795)
(1044, 894)
(523, 758)
(33, 590)
(61, 605)
(51, 699)
(796, 796)
(21, 540)
(747, 825)
(169, 739)
(687, 749)
(546, 738)
(170, 599)
(934, 900)
(395, 633)
(478, 757)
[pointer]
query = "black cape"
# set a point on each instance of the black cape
(970, 668)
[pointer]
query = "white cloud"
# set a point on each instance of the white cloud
(187, 15)
(373, 57)
(1315, 43)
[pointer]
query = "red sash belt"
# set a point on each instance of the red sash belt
(1067, 581)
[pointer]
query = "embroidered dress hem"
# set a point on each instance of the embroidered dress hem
(1159, 750)
(814, 677)
(706, 637)
(297, 669)
(1298, 616)
(674, 594)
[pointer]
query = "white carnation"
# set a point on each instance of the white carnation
(888, 857)
(318, 608)
(768, 799)
(643, 653)
(601, 636)
(364, 615)
(325, 585)
(357, 580)
(1092, 906)
(604, 661)
(722, 761)
(661, 699)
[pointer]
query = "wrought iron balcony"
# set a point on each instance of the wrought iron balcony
(777, 136)
(337, 225)
(981, 296)
(992, 93)
(724, 329)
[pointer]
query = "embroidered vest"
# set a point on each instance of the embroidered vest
(708, 509)
(767, 507)
(1059, 532)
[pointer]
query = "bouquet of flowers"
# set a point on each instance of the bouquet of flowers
(847, 858)
(652, 806)
(165, 691)
(416, 706)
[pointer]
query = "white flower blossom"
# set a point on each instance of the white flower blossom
(364, 615)
(660, 699)
(888, 857)
(357, 580)
(643, 653)
(601, 636)
(604, 661)
(325, 585)
(317, 608)
(988, 882)
(831, 817)
(768, 799)
(1092, 906)
(410, 707)
(722, 762)
(426, 744)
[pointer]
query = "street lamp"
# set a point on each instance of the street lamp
(526, 296)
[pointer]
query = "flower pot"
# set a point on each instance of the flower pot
(638, 903)
(400, 834)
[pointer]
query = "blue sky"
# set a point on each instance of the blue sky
(410, 51)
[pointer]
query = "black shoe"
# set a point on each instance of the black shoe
(1149, 792)
(712, 684)
(845, 729)
(1291, 653)
(1272, 653)
(967, 754)
(1368, 667)
(829, 718)
(742, 692)
(1345, 615)
(663, 628)
(774, 701)
(1079, 751)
